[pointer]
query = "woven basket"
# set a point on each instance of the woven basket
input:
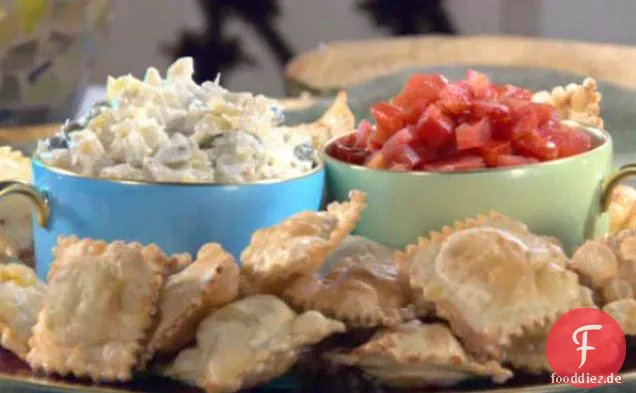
(346, 64)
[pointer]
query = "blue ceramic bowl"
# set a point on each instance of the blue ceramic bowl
(177, 217)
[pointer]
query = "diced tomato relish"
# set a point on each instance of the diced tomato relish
(440, 126)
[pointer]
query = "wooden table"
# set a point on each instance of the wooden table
(25, 136)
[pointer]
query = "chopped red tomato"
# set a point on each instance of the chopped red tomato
(388, 119)
(380, 135)
(497, 111)
(457, 164)
(420, 88)
(348, 154)
(426, 154)
(415, 111)
(456, 98)
(545, 113)
(376, 161)
(548, 127)
(346, 142)
(471, 136)
(482, 87)
(518, 93)
(493, 150)
(363, 133)
(524, 126)
(518, 108)
(536, 145)
(514, 160)
(398, 150)
(402, 137)
(404, 155)
(434, 127)
(464, 125)
(418, 93)
(570, 141)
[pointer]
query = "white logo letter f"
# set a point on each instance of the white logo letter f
(584, 347)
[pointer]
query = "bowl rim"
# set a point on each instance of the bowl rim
(318, 167)
(603, 135)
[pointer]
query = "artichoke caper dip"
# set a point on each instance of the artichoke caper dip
(175, 130)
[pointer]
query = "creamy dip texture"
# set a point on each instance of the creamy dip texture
(174, 130)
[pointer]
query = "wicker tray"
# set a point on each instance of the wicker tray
(346, 64)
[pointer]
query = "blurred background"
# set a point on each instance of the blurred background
(141, 27)
(52, 50)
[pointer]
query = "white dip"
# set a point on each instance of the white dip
(173, 130)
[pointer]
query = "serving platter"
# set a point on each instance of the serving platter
(17, 377)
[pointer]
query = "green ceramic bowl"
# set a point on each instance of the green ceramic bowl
(563, 198)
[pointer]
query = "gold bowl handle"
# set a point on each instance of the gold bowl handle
(39, 200)
(614, 180)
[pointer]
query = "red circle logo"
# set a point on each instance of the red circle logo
(586, 348)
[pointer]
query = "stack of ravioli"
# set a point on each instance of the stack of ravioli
(112, 311)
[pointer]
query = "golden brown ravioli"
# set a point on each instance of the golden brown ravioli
(21, 295)
(622, 209)
(248, 342)
(97, 311)
(337, 120)
(608, 265)
(358, 284)
(297, 246)
(415, 355)
(624, 312)
(187, 297)
(491, 280)
(579, 103)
